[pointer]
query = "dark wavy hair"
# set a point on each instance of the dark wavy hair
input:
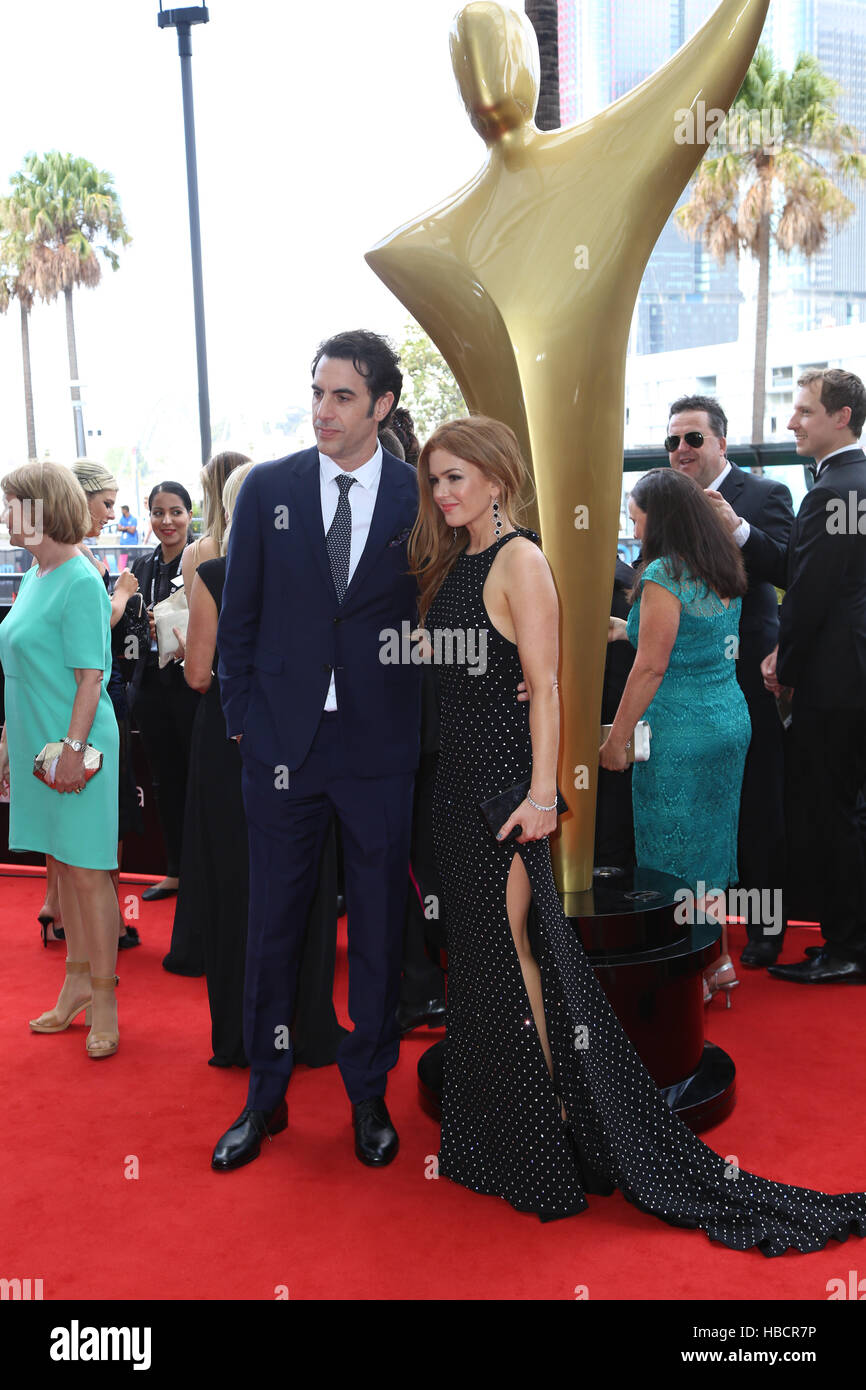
(372, 357)
(683, 529)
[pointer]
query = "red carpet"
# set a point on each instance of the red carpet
(306, 1215)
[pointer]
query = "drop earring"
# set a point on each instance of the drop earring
(497, 520)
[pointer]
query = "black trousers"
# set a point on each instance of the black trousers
(164, 711)
(422, 979)
(830, 748)
(761, 838)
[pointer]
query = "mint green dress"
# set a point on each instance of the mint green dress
(686, 798)
(59, 621)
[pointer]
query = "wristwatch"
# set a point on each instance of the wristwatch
(74, 744)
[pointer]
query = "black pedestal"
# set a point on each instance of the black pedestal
(649, 966)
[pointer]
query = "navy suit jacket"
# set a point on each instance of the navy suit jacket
(282, 631)
(767, 507)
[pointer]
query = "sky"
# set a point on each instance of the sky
(320, 128)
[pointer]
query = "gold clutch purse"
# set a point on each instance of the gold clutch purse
(45, 763)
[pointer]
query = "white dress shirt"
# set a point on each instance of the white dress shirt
(741, 535)
(362, 501)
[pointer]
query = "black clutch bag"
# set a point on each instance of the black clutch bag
(497, 809)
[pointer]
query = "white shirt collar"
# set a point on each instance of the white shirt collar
(717, 483)
(827, 457)
(367, 475)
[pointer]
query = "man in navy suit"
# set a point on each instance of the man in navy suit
(759, 514)
(821, 656)
(317, 576)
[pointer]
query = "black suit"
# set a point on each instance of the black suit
(822, 655)
(614, 821)
(766, 506)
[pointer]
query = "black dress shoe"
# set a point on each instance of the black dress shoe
(760, 953)
(376, 1141)
(242, 1143)
(154, 894)
(129, 939)
(823, 969)
(411, 1016)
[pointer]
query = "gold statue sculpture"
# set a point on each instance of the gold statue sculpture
(526, 279)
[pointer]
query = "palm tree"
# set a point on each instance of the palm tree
(25, 271)
(769, 178)
(544, 17)
(73, 208)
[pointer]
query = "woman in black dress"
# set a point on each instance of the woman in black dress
(162, 704)
(544, 1097)
(214, 882)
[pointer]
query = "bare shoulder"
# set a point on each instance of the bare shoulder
(523, 561)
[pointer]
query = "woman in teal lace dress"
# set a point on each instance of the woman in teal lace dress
(685, 625)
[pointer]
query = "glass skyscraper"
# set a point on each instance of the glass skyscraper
(686, 300)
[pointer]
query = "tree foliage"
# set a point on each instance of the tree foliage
(429, 390)
(773, 174)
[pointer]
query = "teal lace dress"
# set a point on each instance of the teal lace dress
(686, 798)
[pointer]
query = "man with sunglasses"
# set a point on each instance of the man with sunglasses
(760, 515)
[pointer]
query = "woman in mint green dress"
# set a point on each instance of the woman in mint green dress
(685, 625)
(55, 648)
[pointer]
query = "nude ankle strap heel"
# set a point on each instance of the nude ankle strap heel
(52, 1021)
(102, 1044)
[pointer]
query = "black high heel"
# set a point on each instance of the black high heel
(58, 934)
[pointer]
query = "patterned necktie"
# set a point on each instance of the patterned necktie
(339, 538)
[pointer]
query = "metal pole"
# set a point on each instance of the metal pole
(184, 48)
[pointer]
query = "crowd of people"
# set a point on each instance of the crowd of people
(278, 726)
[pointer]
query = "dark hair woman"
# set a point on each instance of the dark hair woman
(685, 625)
(162, 704)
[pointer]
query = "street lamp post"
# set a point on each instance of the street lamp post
(182, 20)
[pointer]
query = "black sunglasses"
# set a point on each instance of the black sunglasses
(693, 438)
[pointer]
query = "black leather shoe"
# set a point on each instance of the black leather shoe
(129, 939)
(760, 953)
(154, 894)
(376, 1141)
(242, 1143)
(411, 1016)
(823, 969)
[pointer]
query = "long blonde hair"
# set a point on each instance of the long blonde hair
(492, 447)
(213, 479)
(229, 498)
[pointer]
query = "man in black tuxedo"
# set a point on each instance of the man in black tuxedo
(317, 576)
(760, 516)
(821, 655)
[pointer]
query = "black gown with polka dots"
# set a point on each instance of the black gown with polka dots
(502, 1126)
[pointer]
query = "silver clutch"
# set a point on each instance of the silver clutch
(639, 749)
(45, 763)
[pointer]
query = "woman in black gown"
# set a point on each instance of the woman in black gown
(214, 881)
(544, 1097)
